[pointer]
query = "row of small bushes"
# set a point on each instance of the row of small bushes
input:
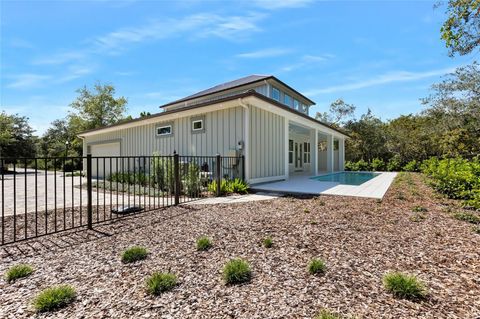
(457, 178)
(378, 164)
(235, 186)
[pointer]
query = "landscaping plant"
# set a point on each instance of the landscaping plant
(17, 272)
(203, 243)
(236, 271)
(268, 242)
(158, 283)
(134, 254)
(404, 286)
(316, 266)
(54, 298)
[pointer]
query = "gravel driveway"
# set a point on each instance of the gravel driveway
(360, 240)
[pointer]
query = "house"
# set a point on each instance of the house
(258, 116)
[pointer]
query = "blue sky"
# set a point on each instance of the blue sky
(382, 55)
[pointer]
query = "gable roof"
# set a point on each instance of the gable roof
(234, 84)
(225, 99)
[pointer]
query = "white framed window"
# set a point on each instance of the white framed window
(164, 130)
(197, 125)
(296, 105)
(290, 151)
(287, 99)
(306, 152)
(275, 94)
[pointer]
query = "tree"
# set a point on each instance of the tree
(98, 108)
(339, 113)
(16, 136)
(461, 30)
(145, 114)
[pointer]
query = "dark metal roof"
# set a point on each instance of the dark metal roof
(234, 84)
(229, 98)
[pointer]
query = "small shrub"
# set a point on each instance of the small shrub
(476, 229)
(404, 286)
(313, 222)
(17, 272)
(394, 164)
(412, 166)
(204, 243)
(54, 298)
(134, 254)
(238, 186)
(419, 209)
(467, 217)
(417, 218)
(212, 187)
(159, 283)
(236, 271)
(268, 242)
(316, 266)
(378, 164)
(306, 211)
(325, 314)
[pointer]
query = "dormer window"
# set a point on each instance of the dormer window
(276, 94)
(296, 105)
(287, 100)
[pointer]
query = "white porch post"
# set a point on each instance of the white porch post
(314, 150)
(286, 148)
(246, 142)
(341, 154)
(330, 153)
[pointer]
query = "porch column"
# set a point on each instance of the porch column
(286, 148)
(341, 154)
(246, 143)
(330, 153)
(314, 150)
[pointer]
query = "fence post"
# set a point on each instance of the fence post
(176, 174)
(219, 165)
(243, 168)
(89, 191)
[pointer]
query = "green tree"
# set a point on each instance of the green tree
(461, 30)
(339, 113)
(16, 136)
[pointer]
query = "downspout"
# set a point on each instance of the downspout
(246, 137)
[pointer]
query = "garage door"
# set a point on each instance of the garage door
(103, 167)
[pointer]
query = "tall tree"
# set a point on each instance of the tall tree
(461, 30)
(16, 136)
(339, 113)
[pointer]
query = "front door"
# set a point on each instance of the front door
(298, 156)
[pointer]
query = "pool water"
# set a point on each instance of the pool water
(347, 178)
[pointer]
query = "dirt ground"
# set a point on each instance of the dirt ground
(359, 239)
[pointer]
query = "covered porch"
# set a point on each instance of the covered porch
(312, 150)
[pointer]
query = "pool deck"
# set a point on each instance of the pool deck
(303, 184)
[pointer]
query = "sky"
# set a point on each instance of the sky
(382, 55)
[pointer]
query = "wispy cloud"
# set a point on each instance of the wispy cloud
(281, 4)
(75, 72)
(60, 58)
(307, 61)
(27, 81)
(391, 77)
(264, 53)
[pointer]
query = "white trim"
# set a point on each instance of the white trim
(315, 149)
(287, 137)
(164, 126)
(267, 179)
(197, 129)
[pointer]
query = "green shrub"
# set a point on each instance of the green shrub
(419, 209)
(238, 186)
(159, 283)
(378, 164)
(412, 166)
(130, 178)
(192, 180)
(203, 243)
(236, 271)
(268, 242)
(476, 229)
(417, 218)
(351, 166)
(54, 298)
(163, 173)
(325, 314)
(316, 266)
(224, 189)
(394, 164)
(467, 217)
(17, 272)
(134, 254)
(404, 286)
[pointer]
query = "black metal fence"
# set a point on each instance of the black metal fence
(41, 196)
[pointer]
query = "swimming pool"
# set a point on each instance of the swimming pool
(347, 178)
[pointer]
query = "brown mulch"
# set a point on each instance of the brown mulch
(360, 240)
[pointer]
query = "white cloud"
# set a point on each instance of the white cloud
(264, 53)
(75, 72)
(307, 60)
(61, 58)
(392, 77)
(281, 4)
(27, 80)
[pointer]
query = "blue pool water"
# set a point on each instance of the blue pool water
(347, 178)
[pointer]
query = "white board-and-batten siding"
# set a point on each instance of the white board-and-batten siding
(223, 130)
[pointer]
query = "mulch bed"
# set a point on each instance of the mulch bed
(360, 240)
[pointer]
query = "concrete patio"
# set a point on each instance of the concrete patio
(303, 184)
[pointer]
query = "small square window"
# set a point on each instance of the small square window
(164, 130)
(197, 125)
